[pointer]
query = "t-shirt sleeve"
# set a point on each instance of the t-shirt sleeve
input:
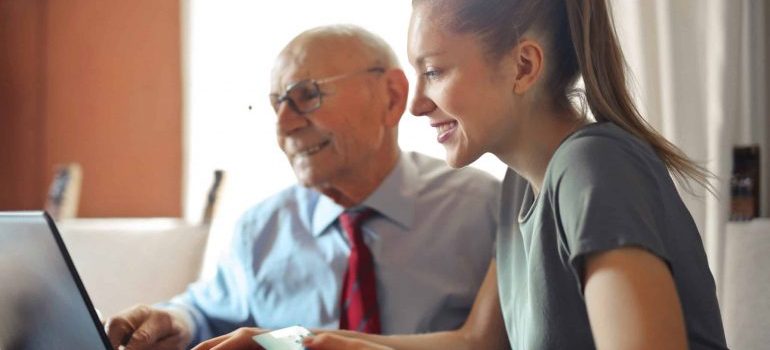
(607, 196)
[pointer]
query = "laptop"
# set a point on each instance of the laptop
(43, 304)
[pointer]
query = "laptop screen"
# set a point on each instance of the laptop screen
(43, 304)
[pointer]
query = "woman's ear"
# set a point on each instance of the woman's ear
(527, 57)
(397, 87)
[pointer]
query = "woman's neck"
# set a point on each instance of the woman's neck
(540, 136)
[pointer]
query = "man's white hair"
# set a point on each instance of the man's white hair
(379, 50)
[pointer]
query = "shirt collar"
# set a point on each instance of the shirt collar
(393, 199)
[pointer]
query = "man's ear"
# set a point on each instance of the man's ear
(397, 87)
(527, 58)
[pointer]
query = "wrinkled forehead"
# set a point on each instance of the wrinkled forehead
(315, 58)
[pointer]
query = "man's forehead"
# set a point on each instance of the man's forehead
(313, 59)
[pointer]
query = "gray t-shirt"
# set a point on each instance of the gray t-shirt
(603, 189)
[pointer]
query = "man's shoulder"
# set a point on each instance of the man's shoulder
(436, 174)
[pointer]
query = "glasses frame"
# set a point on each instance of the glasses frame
(276, 100)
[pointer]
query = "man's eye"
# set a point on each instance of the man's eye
(309, 94)
(432, 73)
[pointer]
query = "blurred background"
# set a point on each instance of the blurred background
(124, 109)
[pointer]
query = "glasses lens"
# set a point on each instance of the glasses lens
(305, 95)
(275, 101)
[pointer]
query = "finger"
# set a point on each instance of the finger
(239, 339)
(240, 342)
(208, 344)
(328, 341)
(173, 342)
(158, 325)
(120, 328)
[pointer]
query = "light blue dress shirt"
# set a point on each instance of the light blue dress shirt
(432, 241)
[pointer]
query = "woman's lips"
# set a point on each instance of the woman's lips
(444, 130)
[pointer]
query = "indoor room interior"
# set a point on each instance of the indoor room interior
(144, 127)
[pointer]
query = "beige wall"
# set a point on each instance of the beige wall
(765, 153)
(99, 83)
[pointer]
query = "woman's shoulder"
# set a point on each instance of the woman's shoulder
(601, 152)
(601, 143)
(602, 136)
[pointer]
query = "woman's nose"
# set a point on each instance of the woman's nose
(421, 105)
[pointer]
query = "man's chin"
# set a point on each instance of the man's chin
(326, 188)
(310, 181)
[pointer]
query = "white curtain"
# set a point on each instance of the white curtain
(697, 69)
(699, 76)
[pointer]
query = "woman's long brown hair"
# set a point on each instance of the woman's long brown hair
(580, 41)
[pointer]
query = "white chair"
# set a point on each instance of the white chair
(746, 284)
(123, 262)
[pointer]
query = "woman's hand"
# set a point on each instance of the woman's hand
(240, 339)
(328, 341)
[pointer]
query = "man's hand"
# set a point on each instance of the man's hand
(328, 341)
(145, 327)
(240, 339)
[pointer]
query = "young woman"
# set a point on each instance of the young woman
(597, 248)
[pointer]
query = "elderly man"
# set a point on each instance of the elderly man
(374, 239)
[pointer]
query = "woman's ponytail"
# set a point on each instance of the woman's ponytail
(603, 68)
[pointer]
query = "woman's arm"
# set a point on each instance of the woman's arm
(632, 301)
(484, 328)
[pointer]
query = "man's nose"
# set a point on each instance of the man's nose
(289, 119)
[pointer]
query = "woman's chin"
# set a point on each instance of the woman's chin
(457, 159)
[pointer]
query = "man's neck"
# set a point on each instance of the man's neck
(352, 189)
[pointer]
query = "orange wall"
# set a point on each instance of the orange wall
(110, 100)
(21, 119)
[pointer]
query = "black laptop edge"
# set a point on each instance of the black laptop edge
(76, 277)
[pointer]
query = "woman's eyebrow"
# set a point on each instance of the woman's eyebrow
(420, 60)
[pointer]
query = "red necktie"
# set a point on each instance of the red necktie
(359, 310)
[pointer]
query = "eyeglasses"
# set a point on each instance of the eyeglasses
(305, 96)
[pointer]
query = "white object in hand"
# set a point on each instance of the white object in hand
(289, 338)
